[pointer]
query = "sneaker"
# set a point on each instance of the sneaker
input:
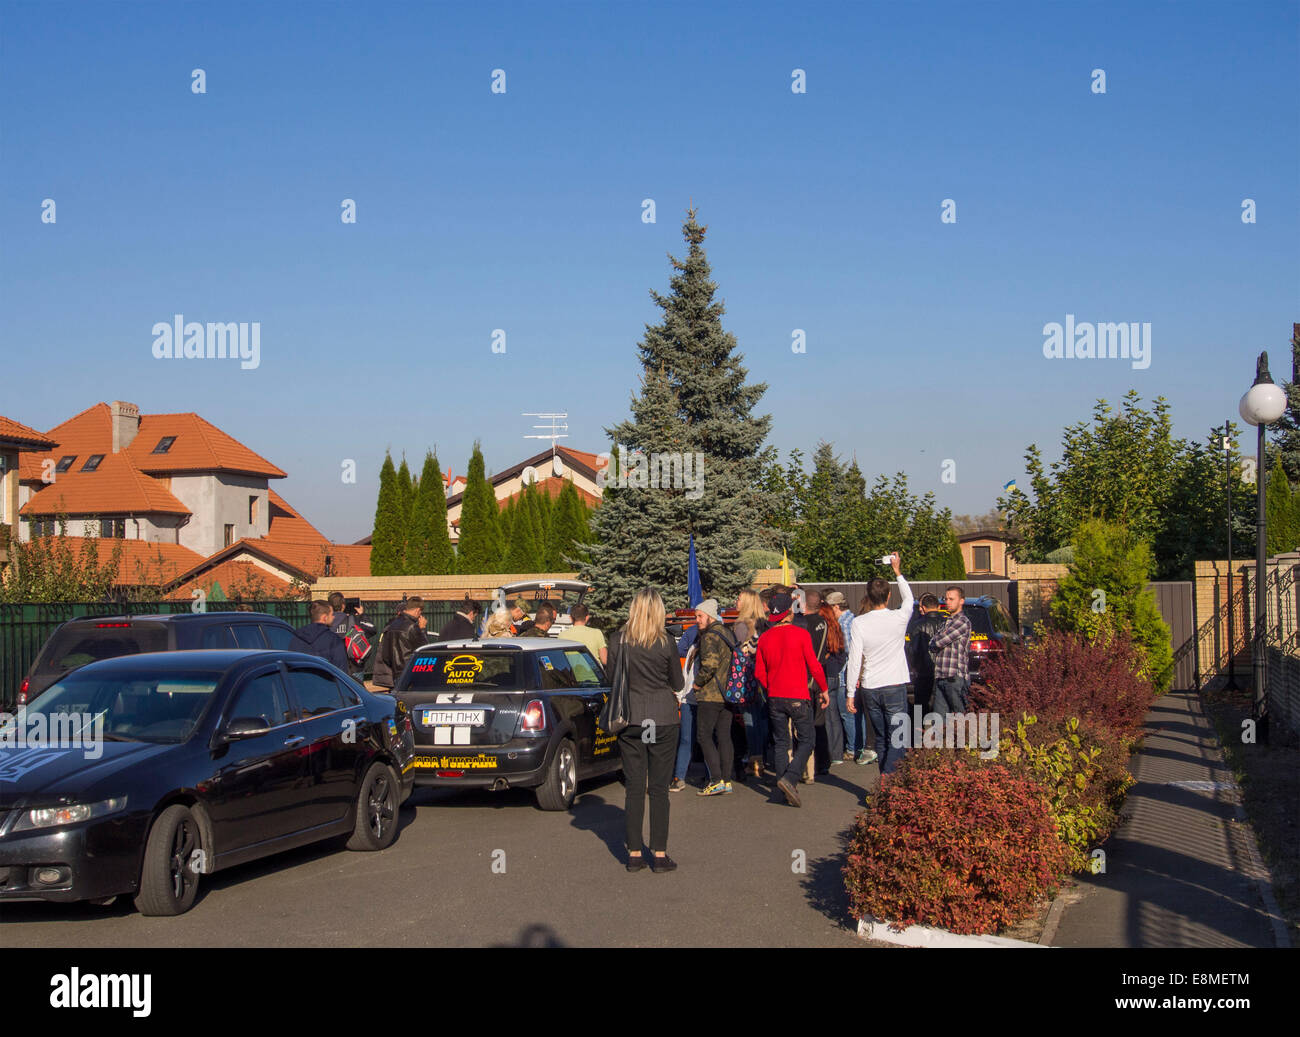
(726, 787)
(676, 785)
(791, 794)
(836, 763)
(867, 756)
(847, 757)
(717, 788)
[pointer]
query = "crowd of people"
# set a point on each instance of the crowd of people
(815, 684)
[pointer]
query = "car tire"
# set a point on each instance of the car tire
(557, 791)
(168, 880)
(377, 807)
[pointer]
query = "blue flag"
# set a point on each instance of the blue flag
(694, 593)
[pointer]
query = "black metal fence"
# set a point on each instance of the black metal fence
(25, 627)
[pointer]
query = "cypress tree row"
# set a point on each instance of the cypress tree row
(507, 531)
(570, 530)
(694, 401)
(480, 523)
(387, 538)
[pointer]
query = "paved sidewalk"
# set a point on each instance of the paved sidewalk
(1183, 870)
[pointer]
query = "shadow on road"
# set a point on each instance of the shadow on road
(823, 885)
(536, 935)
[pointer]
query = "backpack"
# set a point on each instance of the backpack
(740, 677)
(355, 643)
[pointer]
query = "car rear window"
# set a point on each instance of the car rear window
(80, 643)
(452, 669)
(979, 619)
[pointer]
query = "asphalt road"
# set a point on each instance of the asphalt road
(563, 884)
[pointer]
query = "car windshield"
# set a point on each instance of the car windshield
(142, 707)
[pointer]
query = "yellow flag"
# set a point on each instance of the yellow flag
(785, 568)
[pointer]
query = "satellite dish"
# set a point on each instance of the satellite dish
(557, 466)
(528, 476)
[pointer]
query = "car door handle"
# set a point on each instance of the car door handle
(290, 742)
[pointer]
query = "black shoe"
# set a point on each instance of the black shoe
(637, 863)
(664, 863)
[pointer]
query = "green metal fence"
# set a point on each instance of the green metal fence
(25, 627)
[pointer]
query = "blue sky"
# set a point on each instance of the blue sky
(522, 211)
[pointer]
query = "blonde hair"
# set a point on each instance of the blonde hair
(750, 607)
(646, 619)
(498, 624)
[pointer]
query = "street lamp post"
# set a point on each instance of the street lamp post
(1232, 638)
(1263, 403)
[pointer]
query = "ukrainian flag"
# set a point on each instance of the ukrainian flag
(1009, 486)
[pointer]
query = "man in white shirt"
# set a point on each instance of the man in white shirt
(878, 663)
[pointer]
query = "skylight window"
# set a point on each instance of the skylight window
(65, 462)
(92, 462)
(164, 445)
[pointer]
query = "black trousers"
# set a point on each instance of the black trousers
(716, 718)
(800, 711)
(647, 769)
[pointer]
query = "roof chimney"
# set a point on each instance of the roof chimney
(126, 423)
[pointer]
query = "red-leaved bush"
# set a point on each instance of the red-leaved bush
(956, 842)
(1063, 675)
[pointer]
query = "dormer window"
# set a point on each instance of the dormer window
(65, 462)
(92, 462)
(164, 445)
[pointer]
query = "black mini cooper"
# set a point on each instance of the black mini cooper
(139, 774)
(508, 712)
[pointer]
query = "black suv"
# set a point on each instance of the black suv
(991, 631)
(508, 713)
(91, 638)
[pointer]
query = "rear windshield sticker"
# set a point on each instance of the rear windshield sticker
(462, 669)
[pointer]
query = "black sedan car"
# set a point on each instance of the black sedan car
(508, 712)
(139, 774)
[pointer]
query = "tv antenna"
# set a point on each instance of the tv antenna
(556, 424)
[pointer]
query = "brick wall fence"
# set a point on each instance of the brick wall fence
(1284, 688)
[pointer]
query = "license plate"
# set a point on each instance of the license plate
(454, 717)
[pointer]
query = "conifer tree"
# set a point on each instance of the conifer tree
(694, 400)
(570, 530)
(405, 502)
(387, 539)
(1278, 512)
(480, 521)
(429, 544)
(521, 553)
(507, 531)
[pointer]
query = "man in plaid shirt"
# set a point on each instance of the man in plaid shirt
(951, 650)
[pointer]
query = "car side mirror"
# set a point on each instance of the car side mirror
(246, 727)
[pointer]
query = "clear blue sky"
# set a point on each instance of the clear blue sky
(522, 211)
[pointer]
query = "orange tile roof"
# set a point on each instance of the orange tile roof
(116, 486)
(142, 562)
(594, 461)
(286, 525)
(16, 432)
(238, 578)
(90, 432)
(200, 447)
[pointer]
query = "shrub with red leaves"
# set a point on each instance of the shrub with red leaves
(955, 842)
(1063, 675)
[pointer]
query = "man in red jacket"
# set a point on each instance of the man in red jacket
(782, 664)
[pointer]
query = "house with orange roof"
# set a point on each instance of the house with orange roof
(185, 497)
(17, 441)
